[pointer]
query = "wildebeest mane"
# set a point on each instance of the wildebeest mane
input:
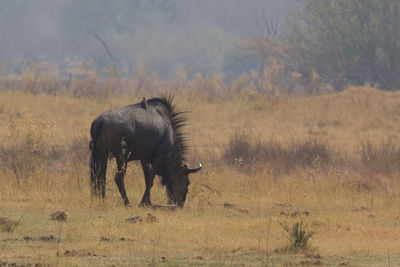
(178, 120)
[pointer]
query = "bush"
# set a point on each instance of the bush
(243, 152)
(298, 236)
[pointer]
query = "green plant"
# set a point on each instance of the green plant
(298, 236)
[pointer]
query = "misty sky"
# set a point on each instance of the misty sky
(160, 34)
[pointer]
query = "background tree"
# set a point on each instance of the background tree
(348, 41)
(161, 35)
(268, 48)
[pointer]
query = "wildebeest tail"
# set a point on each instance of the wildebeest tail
(94, 157)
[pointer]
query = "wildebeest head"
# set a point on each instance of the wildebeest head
(177, 187)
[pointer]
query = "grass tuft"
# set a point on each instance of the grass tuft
(298, 236)
(7, 225)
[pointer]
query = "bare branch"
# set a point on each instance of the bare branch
(271, 25)
(104, 45)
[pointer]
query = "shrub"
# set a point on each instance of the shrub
(298, 236)
(243, 152)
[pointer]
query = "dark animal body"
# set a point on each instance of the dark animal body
(150, 131)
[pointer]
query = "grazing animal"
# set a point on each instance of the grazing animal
(150, 131)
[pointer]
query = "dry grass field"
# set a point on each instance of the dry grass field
(329, 161)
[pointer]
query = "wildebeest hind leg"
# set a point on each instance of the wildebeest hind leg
(119, 179)
(149, 178)
(101, 178)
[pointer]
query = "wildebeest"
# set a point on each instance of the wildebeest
(150, 131)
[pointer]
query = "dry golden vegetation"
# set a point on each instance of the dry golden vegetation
(328, 164)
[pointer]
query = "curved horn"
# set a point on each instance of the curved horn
(193, 170)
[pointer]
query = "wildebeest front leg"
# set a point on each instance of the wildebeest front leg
(119, 179)
(149, 178)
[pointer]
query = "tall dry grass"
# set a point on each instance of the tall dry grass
(328, 160)
(81, 79)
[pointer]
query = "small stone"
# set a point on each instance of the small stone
(229, 205)
(134, 219)
(59, 216)
(103, 238)
(72, 253)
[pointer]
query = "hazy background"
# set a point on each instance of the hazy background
(161, 35)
